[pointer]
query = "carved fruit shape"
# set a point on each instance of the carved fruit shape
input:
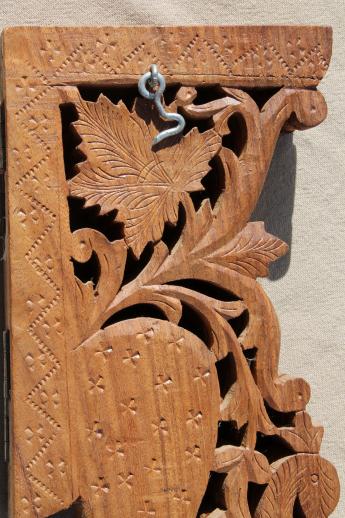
(152, 403)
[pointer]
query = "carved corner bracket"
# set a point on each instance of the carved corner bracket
(144, 352)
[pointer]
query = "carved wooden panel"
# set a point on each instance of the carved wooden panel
(144, 352)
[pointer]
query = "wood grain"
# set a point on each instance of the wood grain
(243, 55)
(144, 353)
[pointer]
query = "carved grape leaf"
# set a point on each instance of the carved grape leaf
(123, 173)
(303, 437)
(250, 252)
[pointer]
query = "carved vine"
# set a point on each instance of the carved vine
(217, 245)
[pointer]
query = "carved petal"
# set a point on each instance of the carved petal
(122, 172)
(303, 437)
(257, 467)
(250, 252)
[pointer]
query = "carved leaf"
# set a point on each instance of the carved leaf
(303, 437)
(250, 252)
(318, 493)
(123, 173)
(193, 232)
(244, 403)
(310, 478)
(91, 302)
(242, 465)
(256, 464)
(257, 467)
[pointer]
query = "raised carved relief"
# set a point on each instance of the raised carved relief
(163, 399)
(123, 173)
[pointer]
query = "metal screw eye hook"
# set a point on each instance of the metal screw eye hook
(155, 79)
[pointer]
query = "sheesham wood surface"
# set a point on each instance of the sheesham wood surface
(115, 407)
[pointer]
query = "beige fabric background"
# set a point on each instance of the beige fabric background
(304, 197)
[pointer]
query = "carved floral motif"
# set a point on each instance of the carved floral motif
(79, 358)
(217, 245)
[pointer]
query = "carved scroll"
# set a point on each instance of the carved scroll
(145, 361)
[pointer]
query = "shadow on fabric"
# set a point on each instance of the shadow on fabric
(275, 205)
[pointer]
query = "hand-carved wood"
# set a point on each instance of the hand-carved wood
(123, 172)
(144, 353)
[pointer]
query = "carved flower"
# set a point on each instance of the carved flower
(122, 172)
